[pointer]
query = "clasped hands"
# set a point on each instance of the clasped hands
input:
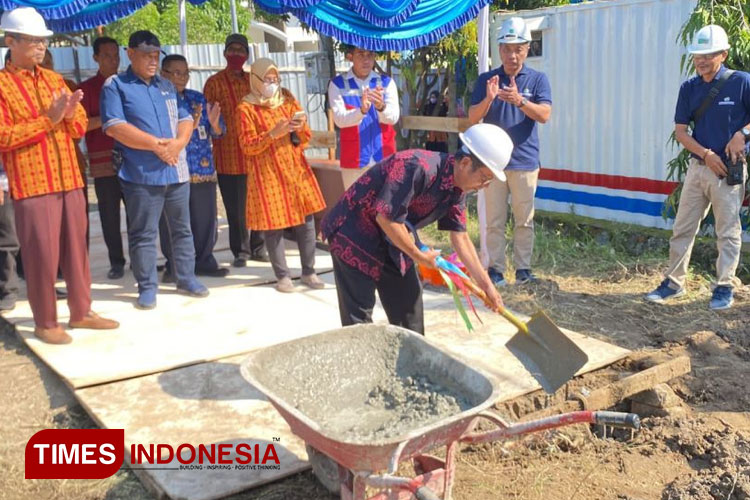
(168, 150)
(63, 105)
(507, 93)
(372, 97)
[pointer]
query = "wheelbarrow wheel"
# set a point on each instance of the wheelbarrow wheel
(328, 471)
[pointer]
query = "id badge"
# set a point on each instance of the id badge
(202, 132)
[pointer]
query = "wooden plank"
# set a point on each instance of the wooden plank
(609, 395)
(436, 123)
(322, 139)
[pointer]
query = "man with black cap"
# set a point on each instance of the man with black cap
(227, 88)
(139, 111)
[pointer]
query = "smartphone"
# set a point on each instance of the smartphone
(299, 115)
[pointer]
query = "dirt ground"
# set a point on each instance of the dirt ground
(698, 451)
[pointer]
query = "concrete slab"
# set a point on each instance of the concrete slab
(201, 404)
(193, 404)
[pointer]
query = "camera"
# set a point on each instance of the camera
(735, 172)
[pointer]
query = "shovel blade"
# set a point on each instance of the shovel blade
(552, 362)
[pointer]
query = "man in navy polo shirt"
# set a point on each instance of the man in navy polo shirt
(719, 138)
(139, 111)
(516, 98)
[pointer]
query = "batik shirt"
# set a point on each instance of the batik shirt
(200, 158)
(414, 186)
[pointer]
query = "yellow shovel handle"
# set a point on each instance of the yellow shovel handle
(474, 288)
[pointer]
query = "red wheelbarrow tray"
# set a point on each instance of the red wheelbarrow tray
(312, 359)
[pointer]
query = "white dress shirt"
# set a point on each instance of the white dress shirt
(344, 118)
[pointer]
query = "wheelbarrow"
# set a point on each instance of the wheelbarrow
(323, 386)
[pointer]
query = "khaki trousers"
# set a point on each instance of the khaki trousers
(702, 189)
(521, 187)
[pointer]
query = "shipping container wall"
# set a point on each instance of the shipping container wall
(614, 69)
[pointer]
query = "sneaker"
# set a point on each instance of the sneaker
(285, 285)
(193, 288)
(146, 300)
(116, 272)
(8, 303)
(313, 281)
(239, 262)
(722, 298)
(524, 276)
(665, 291)
(260, 256)
(496, 277)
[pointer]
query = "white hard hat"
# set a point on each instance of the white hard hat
(514, 30)
(709, 39)
(490, 144)
(26, 21)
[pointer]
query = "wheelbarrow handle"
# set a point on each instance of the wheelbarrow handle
(424, 493)
(618, 419)
(474, 288)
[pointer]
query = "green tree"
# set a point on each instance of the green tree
(732, 15)
(208, 23)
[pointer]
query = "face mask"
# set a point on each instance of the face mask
(269, 90)
(235, 61)
(433, 100)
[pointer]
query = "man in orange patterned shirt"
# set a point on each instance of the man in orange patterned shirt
(228, 87)
(39, 118)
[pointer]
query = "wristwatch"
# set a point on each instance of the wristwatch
(746, 132)
(525, 100)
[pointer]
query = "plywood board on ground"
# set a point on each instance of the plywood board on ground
(201, 404)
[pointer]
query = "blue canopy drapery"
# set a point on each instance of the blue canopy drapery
(381, 24)
(370, 24)
(78, 15)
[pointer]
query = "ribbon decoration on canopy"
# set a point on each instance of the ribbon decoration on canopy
(78, 15)
(381, 24)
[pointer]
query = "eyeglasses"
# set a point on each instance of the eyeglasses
(40, 42)
(178, 74)
(707, 57)
(486, 179)
(270, 80)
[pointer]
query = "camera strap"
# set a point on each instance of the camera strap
(711, 95)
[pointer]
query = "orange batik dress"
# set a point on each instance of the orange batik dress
(281, 187)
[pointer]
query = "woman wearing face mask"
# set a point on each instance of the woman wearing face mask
(282, 191)
(436, 141)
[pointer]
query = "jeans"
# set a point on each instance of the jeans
(144, 205)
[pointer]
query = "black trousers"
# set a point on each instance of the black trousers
(242, 242)
(401, 296)
(8, 250)
(203, 224)
(108, 195)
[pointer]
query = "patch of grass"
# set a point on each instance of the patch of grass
(567, 245)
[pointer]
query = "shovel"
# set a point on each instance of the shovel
(544, 350)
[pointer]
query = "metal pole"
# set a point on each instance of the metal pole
(483, 56)
(183, 26)
(233, 8)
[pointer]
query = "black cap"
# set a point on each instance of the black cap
(144, 41)
(237, 38)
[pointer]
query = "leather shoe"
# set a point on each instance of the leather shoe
(213, 273)
(116, 272)
(93, 321)
(54, 335)
(239, 262)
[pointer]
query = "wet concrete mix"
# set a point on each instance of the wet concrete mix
(372, 386)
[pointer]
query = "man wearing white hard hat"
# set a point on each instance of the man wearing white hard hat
(516, 98)
(39, 118)
(371, 245)
(712, 121)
